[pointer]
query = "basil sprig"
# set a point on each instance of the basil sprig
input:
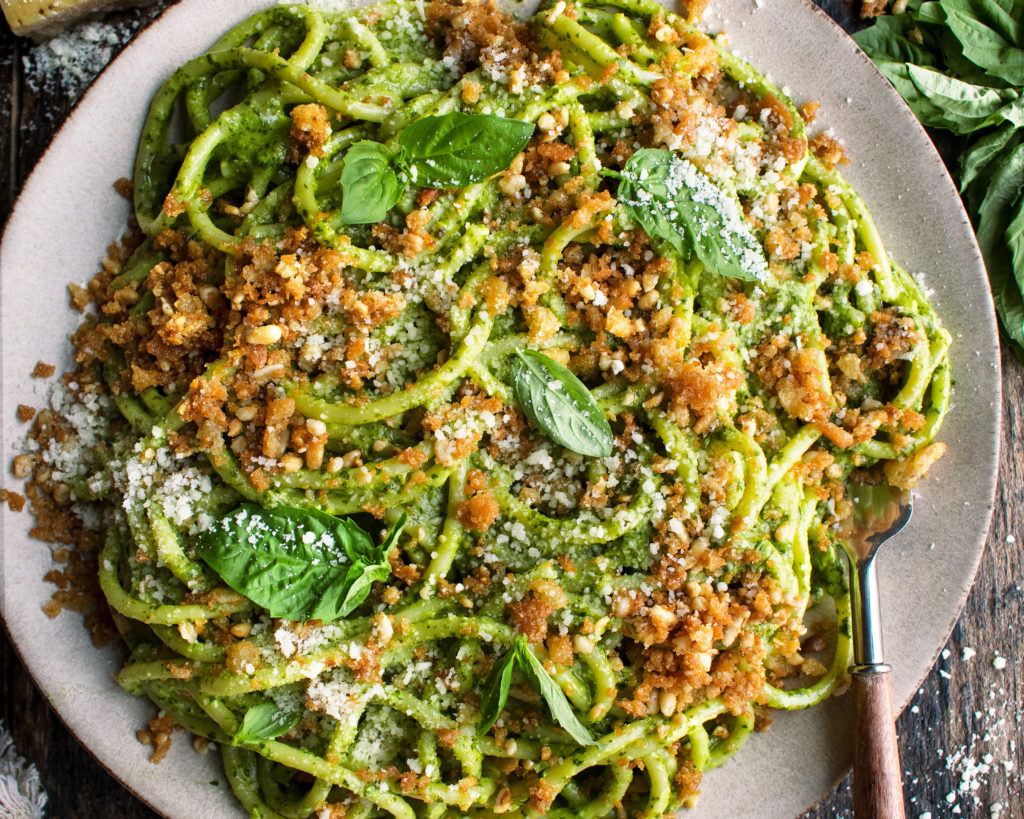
(498, 684)
(496, 688)
(678, 203)
(265, 721)
(959, 64)
(556, 401)
(448, 151)
(299, 564)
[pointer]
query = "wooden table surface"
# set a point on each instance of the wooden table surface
(961, 738)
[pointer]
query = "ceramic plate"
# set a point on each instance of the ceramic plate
(68, 213)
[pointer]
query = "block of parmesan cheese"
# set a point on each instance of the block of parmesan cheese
(41, 19)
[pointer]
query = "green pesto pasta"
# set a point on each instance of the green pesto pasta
(599, 554)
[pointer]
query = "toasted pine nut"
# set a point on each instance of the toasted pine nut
(265, 334)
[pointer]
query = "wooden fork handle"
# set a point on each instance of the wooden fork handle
(877, 788)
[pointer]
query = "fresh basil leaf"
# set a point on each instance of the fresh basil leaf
(985, 46)
(994, 216)
(930, 13)
(456, 149)
(888, 39)
(1007, 17)
(964, 107)
(541, 682)
(360, 584)
(923, 108)
(265, 721)
(1015, 240)
(957, 64)
(556, 401)
(1010, 308)
(678, 203)
(368, 552)
(369, 184)
(371, 565)
(1002, 20)
(944, 102)
(995, 209)
(388, 543)
(496, 688)
(295, 563)
(1013, 112)
(983, 151)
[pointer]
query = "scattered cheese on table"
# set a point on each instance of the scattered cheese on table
(41, 19)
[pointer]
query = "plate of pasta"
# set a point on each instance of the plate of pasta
(463, 422)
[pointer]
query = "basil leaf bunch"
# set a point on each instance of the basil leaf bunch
(265, 721)
(498, 684)
(447, 151)
(678, 203)
(959, 64)
(557, 401)
(299, 564)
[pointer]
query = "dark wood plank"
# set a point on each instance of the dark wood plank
(964, 711)
(77, 785)
(47, 99)
(10, 59)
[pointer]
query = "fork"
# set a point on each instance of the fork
(879, 512)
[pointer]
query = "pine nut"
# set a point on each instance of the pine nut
(512, 183)
(583, 645)
(315, 455)
(649, 300)
(663, 618)
(265, 334)
(22, 466)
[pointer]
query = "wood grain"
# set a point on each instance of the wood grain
(877, 791)
(966, 712)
